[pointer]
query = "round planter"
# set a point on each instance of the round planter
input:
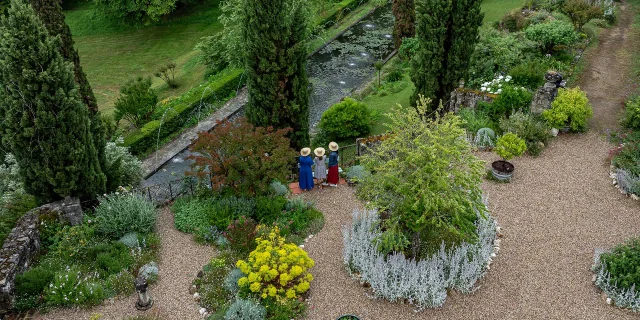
(502, 170)
(348, 317)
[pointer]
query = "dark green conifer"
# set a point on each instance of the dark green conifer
(405, 24)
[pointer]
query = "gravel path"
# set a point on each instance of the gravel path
(180, 260)
(559, 207)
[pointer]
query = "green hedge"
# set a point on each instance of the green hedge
(220, 86)
(335, 11)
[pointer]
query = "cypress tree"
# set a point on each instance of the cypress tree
(44, 122)
(404, 26)
(274, 35)
(50, 13)
(447, 31)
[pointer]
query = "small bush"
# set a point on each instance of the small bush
(213, 294)
(510, 146)
(33, 281)
(552, 33)
(485, 138)
(580, 12)
(131, 240)
(231, 281)
(228, 209)
(109, 258)
(511, 99)
(475, 120)
(71, 287)
(149, 271)
(300, 216)
(241, 234)
(408, 48)
(245, 310)
(628, 182)
(357, 173)
(627, 156)
(268, 209)
(529, 74)
(276, 269)
(279, 189)
(514, 21)
(536, 133)
(631, 118)
(121, 167)
(191, 215)
(121, 283)
(346, 119)
(167, 73)
(622, 264)
(286, 310)
(119, 214)
(71, 243)
(570, 108)
(137, 102)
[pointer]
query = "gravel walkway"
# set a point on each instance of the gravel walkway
(180, 260)
(560, 207)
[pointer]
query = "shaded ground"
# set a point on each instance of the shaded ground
(559, 207)
(181, 259)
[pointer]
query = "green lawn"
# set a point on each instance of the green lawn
(495, 9)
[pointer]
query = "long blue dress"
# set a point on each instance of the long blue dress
(306, 174)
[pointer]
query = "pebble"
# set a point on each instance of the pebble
(203, 311)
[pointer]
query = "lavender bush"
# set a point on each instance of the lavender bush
(425, 282)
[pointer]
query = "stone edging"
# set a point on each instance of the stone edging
(613, 176)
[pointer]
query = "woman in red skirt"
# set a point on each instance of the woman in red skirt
(333, 177)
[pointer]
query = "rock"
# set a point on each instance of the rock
(193, 289)
(203, 311)
(493, 255)
(464, 98)
(635, 197)
(196, 296)
(301, 246)
(545, 95)
(608, 300)
(554, 132)
(593, 279)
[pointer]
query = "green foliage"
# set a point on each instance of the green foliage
(447, 32)
(426, 176)
(509, 146)
(511, 99)
(392, 240)
(474, 120)
(408, 48)
(357, 173)
(485, 138)
(529, 74)
(346, 119)
(240, 158)
(12, 210)
(268, 209)
(514, 21)
(231, 281)
(167, 73)
(552, 33)
(121, 283)
(52, 130)
(535, 132)
(121, 167)
(191, 215)
(137, 12)
(622, 264)
(275, 55)
(300, 218)
(119, 214)
(109, 258)
(285, 310)
(33, 281)
(245, 310)
(213, 294)
(631, 118)
(279, 189)
(628, 157)
(241, 234)
(580, 12)
(570, 108)
(174, 112)
(73, 241)
(137, 102)
(405, 19)
(71, 287)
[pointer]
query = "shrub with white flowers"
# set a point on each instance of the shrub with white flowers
(495, 86)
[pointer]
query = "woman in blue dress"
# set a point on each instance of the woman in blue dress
(306, 174)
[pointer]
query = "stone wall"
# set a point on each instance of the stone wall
(545, 95)
(466, 98)
(23, 244)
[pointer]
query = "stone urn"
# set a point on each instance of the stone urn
(502, 170)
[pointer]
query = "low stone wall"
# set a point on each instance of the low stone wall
(23, 244)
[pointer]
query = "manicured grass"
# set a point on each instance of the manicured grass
(495, 9)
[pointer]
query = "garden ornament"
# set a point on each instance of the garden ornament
(145, 302)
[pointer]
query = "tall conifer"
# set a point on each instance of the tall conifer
(447, 32)
(44, 122)
(275, 34)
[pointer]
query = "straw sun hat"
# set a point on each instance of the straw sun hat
(305, 152)
(333, 146)
(319, 152)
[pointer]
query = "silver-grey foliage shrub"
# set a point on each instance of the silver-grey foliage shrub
(119, 214)
(231, 280)
(357, 173)
(279, 188)
(10, 180)
(122, 167)
(628, 182)
(245, 310)
(623, 298)
(425, 282)
(130, 240)
(485, 138)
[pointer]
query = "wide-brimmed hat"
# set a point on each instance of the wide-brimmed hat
(333, 146)
(319, 152)
(305, 152)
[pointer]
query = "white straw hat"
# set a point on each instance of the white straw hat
(319, 152)
(333, 146)
(305, 152)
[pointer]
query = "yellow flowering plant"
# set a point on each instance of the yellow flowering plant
(276, 269)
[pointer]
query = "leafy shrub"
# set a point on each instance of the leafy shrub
(109, 258)
(396, 73)
(71, 287)
(511, 99)
(212, 52)
(628, 182)
(475, 120)
(628, 157)
(122, 283)
(514, 21)
(191, 215)
(72, 242)
(485, 138)
(552, 33)
(149, 271)
(301, 216)
(245, 310)
(580, 12)
(536, 133)
(424, 282)
(268, 209)
(167, 73)
(529, 74)
(631, 118)
(239, 157)
(276, 269)
(10, 180)
(33, 281)
(408, 48)
(570, 108)
(137, 102)
(346, 119)
(121, 167)
(241, 234)
(231, 280)
(357, 173)
(119, 214)
(285, 310)
(433, 155)
(131, 240)
(622, 264)
(229, 208)
(509, 146)
(213, 294)
(279, 189)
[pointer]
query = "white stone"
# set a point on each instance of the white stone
(203, 311)
(593, 279)
(554, 132)
(608, 300)
(493, 255)
(301, 246)
(635, 197)
(496, 242)
(196, 296)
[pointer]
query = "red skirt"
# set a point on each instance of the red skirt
(333, 177)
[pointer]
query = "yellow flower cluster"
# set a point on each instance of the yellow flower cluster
(276, 269)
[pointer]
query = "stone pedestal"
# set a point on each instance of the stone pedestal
(545, 95)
